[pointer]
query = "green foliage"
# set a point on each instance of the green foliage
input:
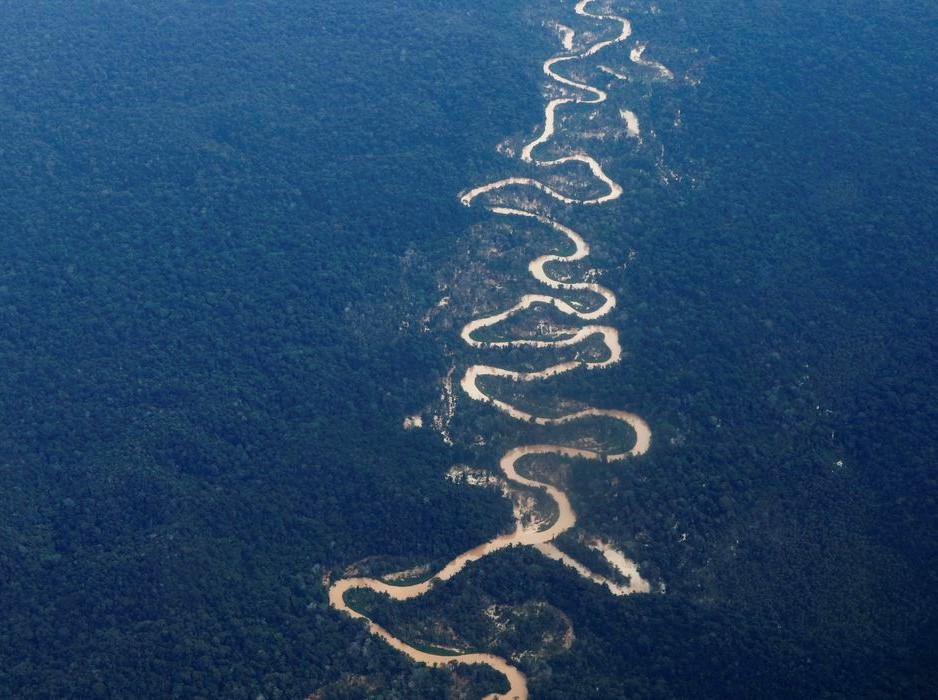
(215, 218)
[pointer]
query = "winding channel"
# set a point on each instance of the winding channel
(605, 301)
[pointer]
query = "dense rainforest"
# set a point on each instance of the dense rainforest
(223, 226)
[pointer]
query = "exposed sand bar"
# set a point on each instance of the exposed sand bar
(636, 55)
(566, 36)
(624, 566)
(631, 123)
(614, 73)
(636, 583)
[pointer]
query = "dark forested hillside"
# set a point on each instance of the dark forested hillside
(206, 210)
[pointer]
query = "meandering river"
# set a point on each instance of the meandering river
(575, 93)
